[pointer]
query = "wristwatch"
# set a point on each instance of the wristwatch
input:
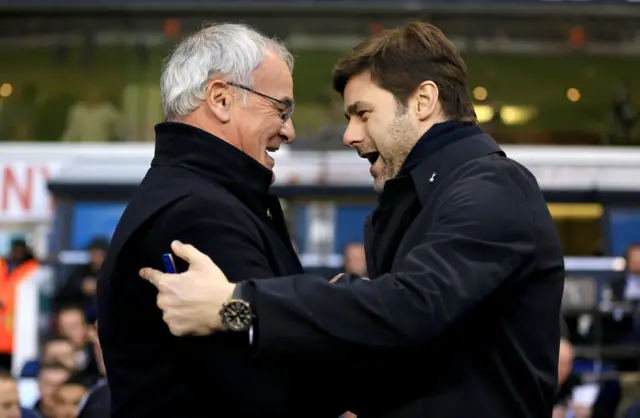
(236, 313)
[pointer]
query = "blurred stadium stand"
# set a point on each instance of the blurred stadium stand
(555, 81)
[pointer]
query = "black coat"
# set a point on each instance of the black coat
(204, 192)
(460, 318)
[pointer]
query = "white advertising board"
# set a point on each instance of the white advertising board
(24, 197)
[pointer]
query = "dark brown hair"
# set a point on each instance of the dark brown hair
(399, 59)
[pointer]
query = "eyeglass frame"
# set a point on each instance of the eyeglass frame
(290, 105)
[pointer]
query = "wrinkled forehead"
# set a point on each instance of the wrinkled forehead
(273, 77)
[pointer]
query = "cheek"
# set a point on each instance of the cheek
(377, 131)
(260, 129)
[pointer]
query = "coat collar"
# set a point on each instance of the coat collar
(438, 136)
(186, 146)
(441, 150)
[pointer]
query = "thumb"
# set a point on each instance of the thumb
(189, 253)
(336, 278)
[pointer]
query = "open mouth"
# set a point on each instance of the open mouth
(371, 156)
(272, 149)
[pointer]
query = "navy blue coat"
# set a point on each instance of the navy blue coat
(204, 192)
(460, 318)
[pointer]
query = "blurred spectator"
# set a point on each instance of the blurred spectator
(9, 400)
(72, 324)
(97, 403)
(19, 254)
(354, 259)
(625, 329)
(54, 350)
(68, 397)
(80, 287)
(16, 267)
(565, 385)
(632, 283)
(92, 120)
(19, 109)
(600, 404)
(50, 379)
(624, 115)
(141, 110)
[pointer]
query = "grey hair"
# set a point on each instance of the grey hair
(229, 50)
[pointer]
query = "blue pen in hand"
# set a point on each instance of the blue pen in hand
(169, 264)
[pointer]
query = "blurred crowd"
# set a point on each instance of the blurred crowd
(70, 362)
(59, 115)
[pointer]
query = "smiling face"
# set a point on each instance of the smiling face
(396, 85)
(379, 128)
(255, 119)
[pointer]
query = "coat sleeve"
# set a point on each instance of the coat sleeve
(224, 236)
(482, 235)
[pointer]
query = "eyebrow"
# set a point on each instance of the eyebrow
(354, 108)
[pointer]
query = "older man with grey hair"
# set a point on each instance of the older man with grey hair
(227, 93)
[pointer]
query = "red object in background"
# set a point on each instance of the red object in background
(375, 28)
(171, 27)
(577, 37)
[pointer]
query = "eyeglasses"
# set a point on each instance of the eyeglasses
(285, 107)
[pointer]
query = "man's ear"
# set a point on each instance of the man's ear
(426, 99)
(218, 98)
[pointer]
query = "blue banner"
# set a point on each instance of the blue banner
(94, 220)
(349, 226)
(624, 227)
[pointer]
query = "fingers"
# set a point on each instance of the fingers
(188, 253)
(153, 275)
(336, 278)
(174, 327)
(179, 328)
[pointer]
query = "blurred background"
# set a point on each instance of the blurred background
(557, 82)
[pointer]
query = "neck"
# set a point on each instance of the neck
(424, 125)
(200, 120)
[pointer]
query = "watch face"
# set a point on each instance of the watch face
(237, 315)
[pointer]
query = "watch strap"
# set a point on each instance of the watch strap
(238, 293)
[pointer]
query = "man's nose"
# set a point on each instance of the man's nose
(353, 135)
(288, 132)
